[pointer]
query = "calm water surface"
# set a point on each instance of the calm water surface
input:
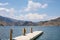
(50, 32)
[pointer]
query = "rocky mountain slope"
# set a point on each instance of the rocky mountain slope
(4, 21)
(52, 22)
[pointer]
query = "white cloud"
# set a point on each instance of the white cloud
(4, 9)
(11, 10)
(32, 17)
(52, 17)
(34, 6)
(31, 6)
(7, 12)
(27, 17)
(3, 4)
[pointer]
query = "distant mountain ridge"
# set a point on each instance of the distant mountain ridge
(52, 22)
(7, 21)
(4, 21)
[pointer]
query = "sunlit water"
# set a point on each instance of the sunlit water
(50, 32)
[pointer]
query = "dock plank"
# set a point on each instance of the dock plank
(29, 36)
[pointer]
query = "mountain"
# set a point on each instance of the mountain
(52, 22)
(4, 21)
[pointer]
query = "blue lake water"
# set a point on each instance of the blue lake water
(50, 32)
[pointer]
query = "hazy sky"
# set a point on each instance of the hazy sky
(30, 10)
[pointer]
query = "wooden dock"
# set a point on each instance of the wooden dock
(29, 36)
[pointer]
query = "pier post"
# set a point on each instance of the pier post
(31, 30)
(24, 31)
(11, 31)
